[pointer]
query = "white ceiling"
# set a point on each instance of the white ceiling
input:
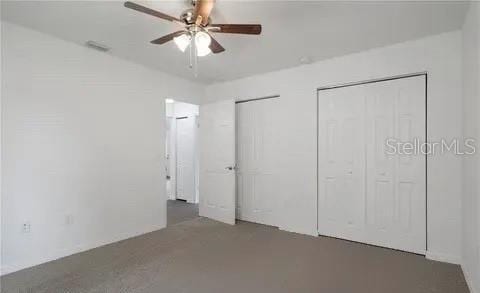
(291, 30)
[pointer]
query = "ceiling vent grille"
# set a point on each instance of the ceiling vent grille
(97, 46)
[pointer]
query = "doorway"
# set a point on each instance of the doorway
(181, 157)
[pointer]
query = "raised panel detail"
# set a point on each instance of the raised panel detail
(384, 204)
(405, 204)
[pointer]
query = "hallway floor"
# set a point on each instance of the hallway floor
(179, 211)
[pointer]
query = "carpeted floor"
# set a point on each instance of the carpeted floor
(204, 256)
(179, 211)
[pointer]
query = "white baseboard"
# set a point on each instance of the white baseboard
(453, 259)
(469, 280)
(11, 268)
(298, 231)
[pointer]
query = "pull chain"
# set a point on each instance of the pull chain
(195, 58)
(193, 55)
(191, 52)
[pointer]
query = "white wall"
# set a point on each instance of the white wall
(181, 109)
(471, 124)
(185, 109)
(439, 55)
(83, 147)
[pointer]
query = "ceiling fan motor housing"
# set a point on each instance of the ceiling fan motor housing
(188, 16)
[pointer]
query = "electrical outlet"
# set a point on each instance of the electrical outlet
(26, 227)
(69, 220)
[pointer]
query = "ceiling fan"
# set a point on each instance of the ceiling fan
(197, 28)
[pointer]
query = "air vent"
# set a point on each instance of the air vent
(97, 46)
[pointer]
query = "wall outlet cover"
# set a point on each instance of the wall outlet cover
(26, 227)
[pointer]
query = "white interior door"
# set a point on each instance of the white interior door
(185, 128)
(217, 161)
(364, 194)
(396, 184)
(341, 154)
(257, 140)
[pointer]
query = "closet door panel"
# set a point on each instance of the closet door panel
(341, 163)
(365, 193)
(257, 161)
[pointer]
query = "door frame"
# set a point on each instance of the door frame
(172, 160)
(375, 80)
(257, 99)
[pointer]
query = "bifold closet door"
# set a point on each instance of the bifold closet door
(257, 159)
(396, 184)
(364, 193)
(341, 162)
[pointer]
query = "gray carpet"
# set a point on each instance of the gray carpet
(204, 256)
(179, 211)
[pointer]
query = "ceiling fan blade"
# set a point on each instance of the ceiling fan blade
(248, 29)
(167, 38)
(203, 8)
(150, 11)
(215, 46)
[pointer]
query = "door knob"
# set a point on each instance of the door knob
(230, 168)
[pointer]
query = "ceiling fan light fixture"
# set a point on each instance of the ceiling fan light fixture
(182, 41)
(202, 43)
(203, 51)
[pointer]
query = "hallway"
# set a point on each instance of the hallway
(179, 211)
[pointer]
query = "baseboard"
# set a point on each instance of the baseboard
(453, 259)
(469, 280)
(298, 231)
(8, 269)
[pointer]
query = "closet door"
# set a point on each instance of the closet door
(341, 163)
(364, 193)
(257, 159)
(396, 184)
